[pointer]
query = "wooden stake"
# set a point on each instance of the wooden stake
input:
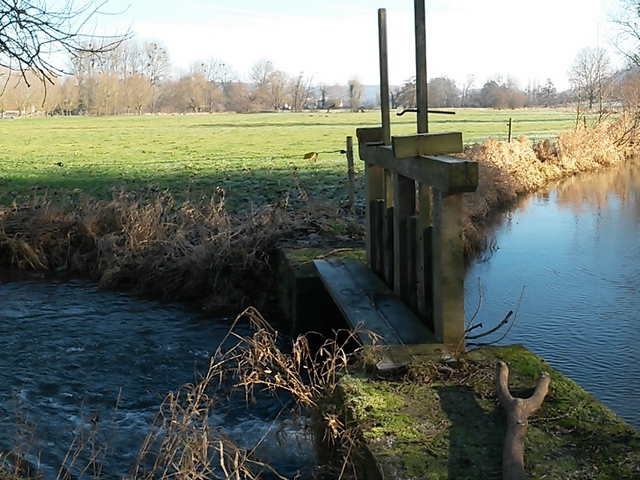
(384, 76)
(351, 174)
(421, 66)
(518, 412)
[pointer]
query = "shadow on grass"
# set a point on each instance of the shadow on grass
(242, 189)
(475, 435)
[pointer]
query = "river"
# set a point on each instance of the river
(72, 355)
(568, 260)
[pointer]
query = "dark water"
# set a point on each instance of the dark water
(68, 351)
(575, 250)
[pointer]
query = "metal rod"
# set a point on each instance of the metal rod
(421, 67)
(414, 110)
(384, 76)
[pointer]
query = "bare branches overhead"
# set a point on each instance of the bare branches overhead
(34, 32)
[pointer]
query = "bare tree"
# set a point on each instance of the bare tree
(626, 20)
(301, 92)
(466, 89)
(32, 32)
(405, 97)
(591, 78)
(356, 90)
(443, 92)
(215, 70)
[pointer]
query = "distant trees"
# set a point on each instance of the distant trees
(591, 76)
(443, 92)
(356, 89)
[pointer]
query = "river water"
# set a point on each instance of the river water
(568, 259)
(70, 352)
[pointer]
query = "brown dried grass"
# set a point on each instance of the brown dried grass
(510, 170)
(191, 252)
(183, 442)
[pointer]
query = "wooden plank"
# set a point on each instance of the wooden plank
(375, 241)
(404, 197)
(412, 263)
(357, 306)
(387, 241)
(363, 297)
(425, 262)
(405, 323)
(370, 135)
(447, 174)
(427, 144)
(373, 179)
(448, 270)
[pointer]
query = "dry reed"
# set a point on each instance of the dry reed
(509, 170)
(192, 252)
(185, 443)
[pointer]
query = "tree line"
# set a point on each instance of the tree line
(135, 78)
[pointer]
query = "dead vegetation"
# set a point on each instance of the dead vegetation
(510, 169)
(191, 252)
(186, 439)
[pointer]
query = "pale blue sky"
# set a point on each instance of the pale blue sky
(334, 40)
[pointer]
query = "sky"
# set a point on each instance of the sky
(335, 40)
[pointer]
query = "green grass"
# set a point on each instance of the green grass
(255, 158)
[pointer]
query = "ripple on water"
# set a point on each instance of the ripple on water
(576, 252)
(70, 352)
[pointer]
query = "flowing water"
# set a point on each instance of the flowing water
(70, 352)
(572, 255)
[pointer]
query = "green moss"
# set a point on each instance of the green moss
(440, 422)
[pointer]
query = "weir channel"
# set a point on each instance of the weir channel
(74, 358)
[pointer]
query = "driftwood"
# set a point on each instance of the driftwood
(518, 411)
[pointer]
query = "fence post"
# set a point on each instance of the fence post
(510, 128)
(351, 174)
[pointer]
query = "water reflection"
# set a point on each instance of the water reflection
(575, 249)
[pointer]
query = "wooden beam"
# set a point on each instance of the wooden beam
(425, 262)
(447, 174)
(427, 144)
(370, 135)
(373, 181)
(384, 76)
(387, 227)
(404, 198)
(421, 66)
(448, 270)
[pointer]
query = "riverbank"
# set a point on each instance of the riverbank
(509, 170)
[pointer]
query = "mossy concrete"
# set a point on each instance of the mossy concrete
(443, 421)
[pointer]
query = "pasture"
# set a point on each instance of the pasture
(250, 159)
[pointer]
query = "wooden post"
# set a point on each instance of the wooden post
(388, 237)
(421, 66)
(373, 178)
(424, 261)
(510, 128)
(404, 197)
(384, 76)
(448, 270)
(351, 175)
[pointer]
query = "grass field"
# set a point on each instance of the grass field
(251, 159)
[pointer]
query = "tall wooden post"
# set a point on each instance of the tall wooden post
(384, 76)
(421, 66)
